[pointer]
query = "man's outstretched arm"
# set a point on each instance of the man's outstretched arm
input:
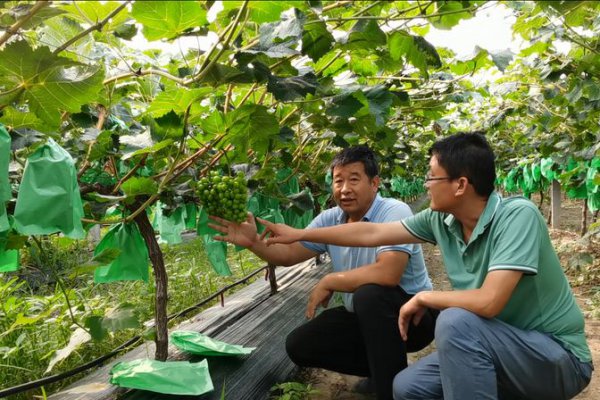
(245, 235)
(356, 234)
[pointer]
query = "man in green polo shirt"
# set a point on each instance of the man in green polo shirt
(511, 327)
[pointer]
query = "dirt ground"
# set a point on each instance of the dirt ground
(331, 385)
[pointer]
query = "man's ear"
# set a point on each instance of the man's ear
(463, 183)
(375, 182)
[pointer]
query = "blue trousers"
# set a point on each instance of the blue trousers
(479, 358)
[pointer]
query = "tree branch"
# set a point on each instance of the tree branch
(390, 18)
(102, 113)
(206, 67)
(14, 28)
(138, 73)
(130, 173)
(98, 27)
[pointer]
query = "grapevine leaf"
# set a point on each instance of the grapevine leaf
(214, 124)
(264, 11)
(591, 90)
(102, 146)
(176, 100)
(279, 50)
(168, 19)
(19, 10)
(330, 64)
(59, 30)
(316, 40)
(219, 74)
(344, 105)
(103, 198)
(79, 337)
(64, 90)
(364, 64)
(150, 150)
(94, 325)
(288, 29)
(380, 101)
(432, 58)
(17, 119)
(450, 14)
(366, 35)
(167, 126)
(575, 94)
(251, 127)
(122, 317)
(279, 39)
(25, 137)
(95, 11)
(50, 84)
(502, 58)
(415, 50)
(286, 89)
(139, 185)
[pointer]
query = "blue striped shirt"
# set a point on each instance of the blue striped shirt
(415, 277)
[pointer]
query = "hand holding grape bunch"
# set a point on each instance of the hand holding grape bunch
(225, 196)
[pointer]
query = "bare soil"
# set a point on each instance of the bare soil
(331, 385)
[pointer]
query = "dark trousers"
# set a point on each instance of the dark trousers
(364, 343)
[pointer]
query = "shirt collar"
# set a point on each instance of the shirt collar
(343, 217)
(486, 217)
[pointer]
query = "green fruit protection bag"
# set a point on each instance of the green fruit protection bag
(199, 344)
(191, 214)
(592, 181)
(203, 228)
(5, 192)
(546, 168)
(266, 208)
(510, 182)
(169, 226)
(9, 259)
(217, 255)
(528, 185)
(4, 224)
(215, 251)
(289, 185)
(132, 262)
(181, 378)
(49, 200)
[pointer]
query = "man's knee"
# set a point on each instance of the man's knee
(367, 296)
(454, 323)
(402, 387)
(294, 347)
(405, 387)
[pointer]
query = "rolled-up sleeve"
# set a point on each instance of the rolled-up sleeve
(420, 226)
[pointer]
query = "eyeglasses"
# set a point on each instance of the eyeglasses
(440, 178)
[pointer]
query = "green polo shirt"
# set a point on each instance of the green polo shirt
(511, 234)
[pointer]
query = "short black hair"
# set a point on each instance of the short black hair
(468, 155)
(354, 154)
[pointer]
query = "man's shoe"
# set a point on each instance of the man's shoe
(364, 386)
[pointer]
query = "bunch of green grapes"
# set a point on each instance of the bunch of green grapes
(224, 197)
